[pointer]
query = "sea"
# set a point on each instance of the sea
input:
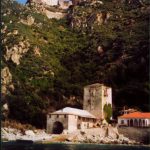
(62, 146)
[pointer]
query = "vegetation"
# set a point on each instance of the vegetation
(108, 112)
(70, 60)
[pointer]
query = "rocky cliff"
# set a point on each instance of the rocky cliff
(106, 135)
(47, 62)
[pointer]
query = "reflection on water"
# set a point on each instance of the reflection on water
(54, 146)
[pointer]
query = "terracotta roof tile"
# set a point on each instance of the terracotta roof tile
(136, 115)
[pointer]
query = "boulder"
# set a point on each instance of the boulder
(37, 51)
(112, 133)
(15, 58)
(15, 32)
(6, 80)
(15, 52)
(6, 77)
(29, 133)
(30, 20)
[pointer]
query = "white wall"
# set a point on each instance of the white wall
(72, 122)
(51, 120)
(50, 2)
(86, 125)
(125, 121)
(148, 122)
(109, 98)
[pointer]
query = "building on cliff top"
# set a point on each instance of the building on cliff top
(135, 119)
(70, 119)
(96, 96)
(63, 4)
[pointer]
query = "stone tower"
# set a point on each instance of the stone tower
(95, 97)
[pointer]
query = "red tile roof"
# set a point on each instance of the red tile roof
(136, 115)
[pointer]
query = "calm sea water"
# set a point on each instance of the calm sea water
(16, 146)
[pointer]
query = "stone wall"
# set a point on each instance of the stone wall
(53, 118)
(72, 122)
(95, 99)
(92, 100)
(69, 122)
(137, 134)
(84, 123)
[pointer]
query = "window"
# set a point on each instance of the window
(122, 121)
(65, 116)
(105, 92)
(79, 126)
(88, 125)
(57, 116)
(49, 116)
(89, 102)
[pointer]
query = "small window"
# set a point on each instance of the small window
(57, 116)
(88, 125)
(65, 116)
(79, 118)
(49, 116)
(122, 121)
(79, 126)
(105, 92)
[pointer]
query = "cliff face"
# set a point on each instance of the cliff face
(47, 62)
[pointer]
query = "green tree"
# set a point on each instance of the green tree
(108, 112)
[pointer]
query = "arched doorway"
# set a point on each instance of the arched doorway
(136, 123)
(140, 123)
(131, 123)
(57, 127)
(128, 123)
(143, 123)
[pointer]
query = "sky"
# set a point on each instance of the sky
(21, 1)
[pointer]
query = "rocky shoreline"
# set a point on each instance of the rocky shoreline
(103, 135)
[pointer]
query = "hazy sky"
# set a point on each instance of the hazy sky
(21, 1)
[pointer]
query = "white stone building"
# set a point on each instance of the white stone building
(51, 2)
(47, 2)
(135, 119)
(64, 4)
(69, 119)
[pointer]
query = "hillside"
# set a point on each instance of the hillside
(47, 62)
